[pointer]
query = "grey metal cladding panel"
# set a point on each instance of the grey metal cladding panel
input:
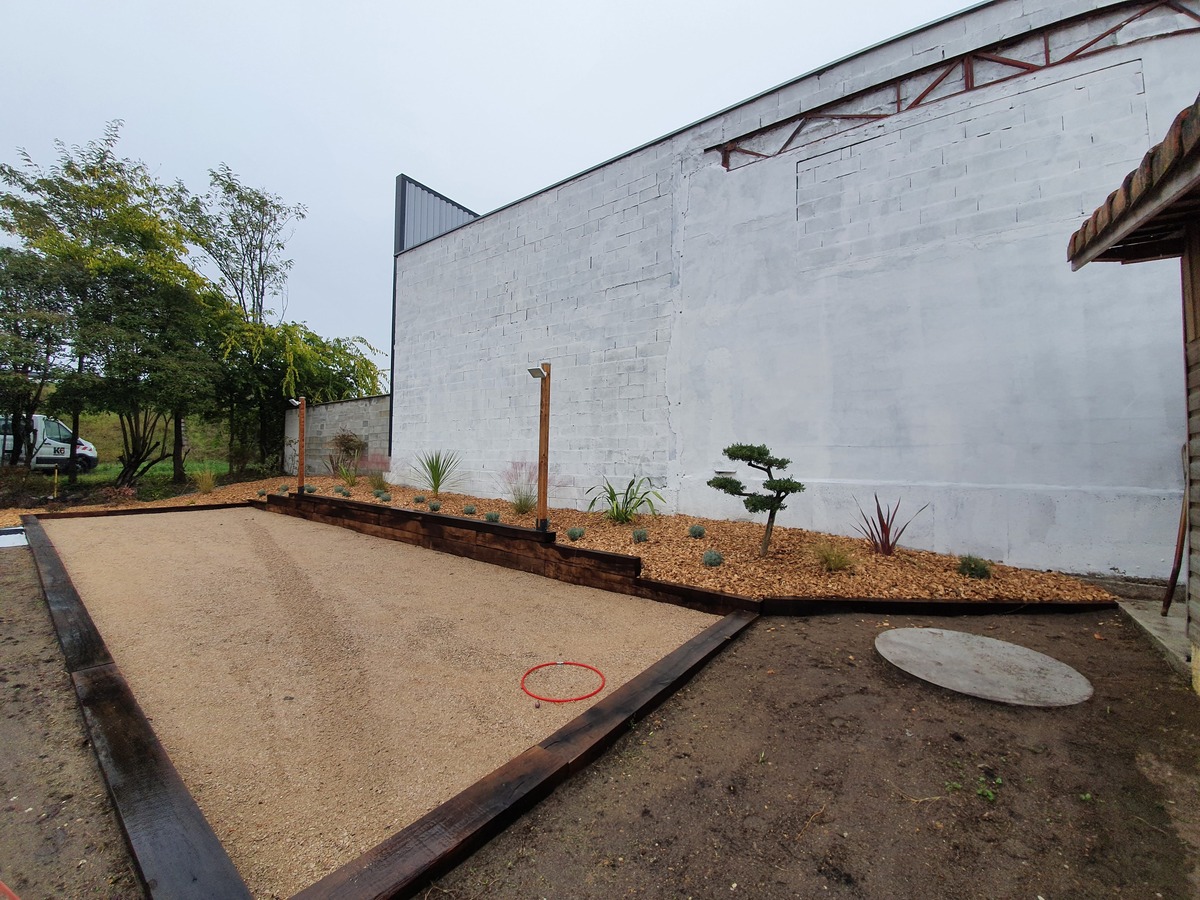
(428, 215)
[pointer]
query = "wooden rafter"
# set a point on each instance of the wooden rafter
(937, 75)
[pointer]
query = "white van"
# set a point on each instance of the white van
(51, 445)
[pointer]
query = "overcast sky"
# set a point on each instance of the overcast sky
(325, 103)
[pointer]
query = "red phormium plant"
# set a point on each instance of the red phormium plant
(881, 530)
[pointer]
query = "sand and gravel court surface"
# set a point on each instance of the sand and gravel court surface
(319, 689)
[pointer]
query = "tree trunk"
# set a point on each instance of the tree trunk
(179, 475)
(767, 534)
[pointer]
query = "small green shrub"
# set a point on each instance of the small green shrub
(378, 492)
(575, 533)
(385, 497)
(348, 474)
(834, 559)
(310, 489)
(420, 498)
(974, 567)
(468, 510)
(696, 531)
(623, 507)
(283, 488)
(434, 505)
(262, 493)
(492, 517)
(640, 535)
(712, 558)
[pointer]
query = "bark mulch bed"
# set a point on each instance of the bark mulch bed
(793, 567)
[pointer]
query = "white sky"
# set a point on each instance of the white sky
(324, 103)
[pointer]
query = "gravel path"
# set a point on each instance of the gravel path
(319, 689)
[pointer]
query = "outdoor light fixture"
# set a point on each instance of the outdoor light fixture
(299, 405)
(542, 374)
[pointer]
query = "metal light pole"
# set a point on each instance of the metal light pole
(543, 516)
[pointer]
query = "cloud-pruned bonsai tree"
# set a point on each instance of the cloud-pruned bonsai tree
(758, 456)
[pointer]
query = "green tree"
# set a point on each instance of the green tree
(243, 231)
(34, 335)
(108, 226)
(264, 365)
(758, 456)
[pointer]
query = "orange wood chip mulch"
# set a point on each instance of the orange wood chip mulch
(792, 568)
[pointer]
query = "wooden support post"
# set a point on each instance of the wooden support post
(543, 516)
(300, 460)
(1190, 271)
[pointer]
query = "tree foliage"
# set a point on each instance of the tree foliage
(244, 232)
(34, 323)
(105, 283)
(758, 456)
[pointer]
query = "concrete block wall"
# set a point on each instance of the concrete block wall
(888, 305)
(366, 417)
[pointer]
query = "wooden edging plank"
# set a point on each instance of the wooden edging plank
(413, 856)
(815, 606)
(81, 643)
(174, 850)
(138, 511)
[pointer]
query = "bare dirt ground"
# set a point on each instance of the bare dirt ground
(319, 689)
(58, 835)
(800, 764)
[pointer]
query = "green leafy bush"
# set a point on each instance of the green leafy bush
(623, 507)
(469, 510)
(758, 456)
(385, 497)
(419, 498)
(348, 474)
(310, 489)
(640, 535)
(974, 567)
(834, 559)
(492, 517)
(696, 531)
(434, 505)
(437, 469)
(575, 533)
(712, 558)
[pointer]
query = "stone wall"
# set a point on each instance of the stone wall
(366, 417)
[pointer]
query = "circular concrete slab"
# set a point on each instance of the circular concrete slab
(983, 667)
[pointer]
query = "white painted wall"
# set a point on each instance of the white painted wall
(890, 307)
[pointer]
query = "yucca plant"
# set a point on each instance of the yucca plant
(623, 507)
(881, 531)
(437, 469)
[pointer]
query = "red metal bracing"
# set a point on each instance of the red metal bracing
(963, 74)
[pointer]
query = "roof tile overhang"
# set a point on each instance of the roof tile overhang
(1144, 218)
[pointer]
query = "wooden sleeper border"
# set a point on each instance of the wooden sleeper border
(174, 849)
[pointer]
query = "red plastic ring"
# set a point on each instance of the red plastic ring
(563, 699)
